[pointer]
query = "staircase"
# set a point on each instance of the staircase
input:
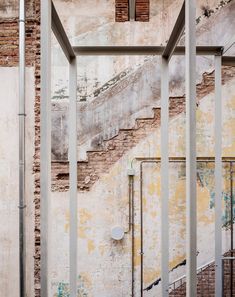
(99, 161)
(206, 280)
(205, 285)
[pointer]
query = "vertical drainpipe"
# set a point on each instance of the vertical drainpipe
(21, 146)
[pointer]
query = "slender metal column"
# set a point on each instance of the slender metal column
(45, 174)
(22, 116)
(164, 178)
(73, 175)
(218, 178)
(191, 192)
(132, 4)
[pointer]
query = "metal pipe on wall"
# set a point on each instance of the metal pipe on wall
(131, 228)
(218, 177)
(22, 147)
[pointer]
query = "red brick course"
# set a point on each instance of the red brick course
(122, 10)
(142, 10)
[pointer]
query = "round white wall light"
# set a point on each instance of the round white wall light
(117, 233)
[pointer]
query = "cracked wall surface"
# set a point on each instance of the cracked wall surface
(116, 95)
(106, 264)
(135, 93)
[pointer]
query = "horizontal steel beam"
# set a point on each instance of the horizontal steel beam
(141, 50)
(60, 34)
(175, 34)
(228, 60)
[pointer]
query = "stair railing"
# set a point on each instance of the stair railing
(182, 280)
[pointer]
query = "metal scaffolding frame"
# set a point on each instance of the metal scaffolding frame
(50, 20)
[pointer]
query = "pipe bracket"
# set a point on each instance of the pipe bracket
(22, 206)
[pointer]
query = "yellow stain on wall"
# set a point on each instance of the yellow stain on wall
(84, 216)
(144, 204)
(67, 218)
(86, 279)
(90, 246)
(177, 202)
(229, 151)
(137, 252)
(153, 214)
(203, 201)
(150, 275)
(102, 249)
(82, 231)
(176, 261)
(152, 188)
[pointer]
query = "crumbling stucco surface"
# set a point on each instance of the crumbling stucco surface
(104, 266)
(134, 95)
(10, 8)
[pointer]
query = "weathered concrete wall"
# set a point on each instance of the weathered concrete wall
(134, 94)
(99, 28)
(10, 8)
(107, 260)
(104, 266)
(9, 190)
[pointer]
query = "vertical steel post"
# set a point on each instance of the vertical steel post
(164, 178)
(45, 174)
(73, 175)
(22, 116)
(191, 191)
(132, 4)
(231, 227)
(218, 178)
(141, 234)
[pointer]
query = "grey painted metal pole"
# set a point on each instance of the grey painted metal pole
(218, 178)
(73, 175)
(164, 178)
(22, 116)
(45, 174)
(191, 192)
(132, 4)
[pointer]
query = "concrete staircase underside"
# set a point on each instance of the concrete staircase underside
(99, 162)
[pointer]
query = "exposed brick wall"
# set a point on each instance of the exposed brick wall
(99, 162)
(122, 10)
(142, 10)
(9, 57)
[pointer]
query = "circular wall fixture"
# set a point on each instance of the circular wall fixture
(117, 233)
